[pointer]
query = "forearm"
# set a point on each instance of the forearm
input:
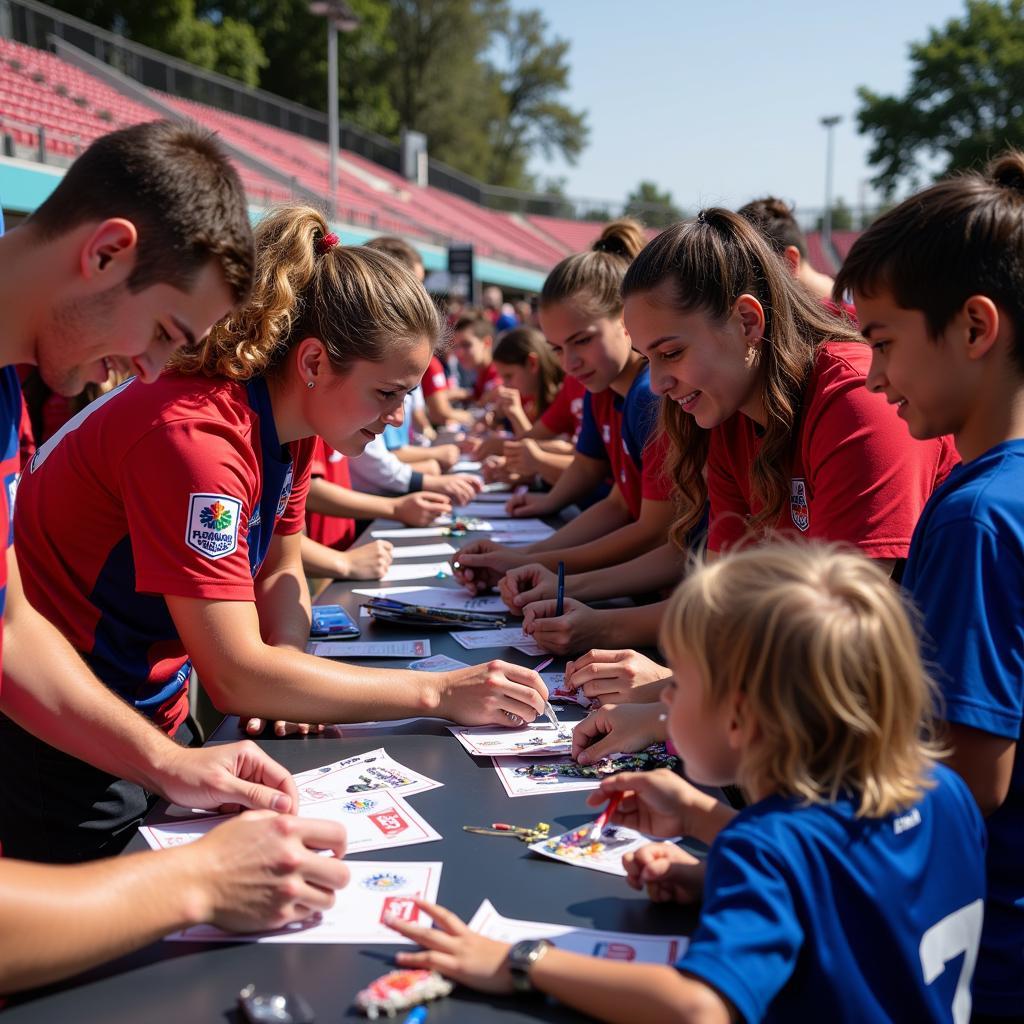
(579, 480)
(57, 921)
(329, 499)
(519, 422)
(322, 562)
(284, 606)
(551, 465)
(661, 567)
(626, 993)
(630, 627)
(50, 692)
(600, 519)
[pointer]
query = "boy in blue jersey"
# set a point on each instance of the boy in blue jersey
(939, 287)
(143, 244)
(851, 889)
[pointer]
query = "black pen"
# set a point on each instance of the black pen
(560, 599)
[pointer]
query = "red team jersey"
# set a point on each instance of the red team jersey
(624, 432)
(856, 473)
(10, 465)
(565, 414)
(435, 379)
(170, 488)
(332, 531)
(487, 379)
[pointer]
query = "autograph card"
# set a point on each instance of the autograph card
(377, 890)
(538, 739)
(362, 773)
(437, 663)
(450, 598)
(604, 854)
(475, 639)
(641, 949)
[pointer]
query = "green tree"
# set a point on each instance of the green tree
(534, 75)
(842, 216)
(652, 206)
(964, 103)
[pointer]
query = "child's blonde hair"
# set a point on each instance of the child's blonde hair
(819, 643)
(359, 302)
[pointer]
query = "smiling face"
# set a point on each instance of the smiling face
(349, 409)
(704, 735)
(710, 370)
(594, 350)
(930, 380)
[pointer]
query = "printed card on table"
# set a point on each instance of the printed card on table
(423, 551)
(426, 571)
(475, 639)
(377, 890)
(641, 949)
(538, 739)
(450, 598)
(558, 693)
(487, 510)
(437, 663)
(371, 649)
(520, 776)
(604, 854)
(411, 532)
(363, 773)
(375, 821)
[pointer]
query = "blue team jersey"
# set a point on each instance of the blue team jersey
(813, 914)
(965, 571)
(10, 418)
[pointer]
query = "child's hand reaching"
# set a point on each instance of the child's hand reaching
(670, 874)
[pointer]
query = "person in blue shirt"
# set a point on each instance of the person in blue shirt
(851, 888)
(939, 287)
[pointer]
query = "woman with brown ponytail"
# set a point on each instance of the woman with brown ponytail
(181, 547)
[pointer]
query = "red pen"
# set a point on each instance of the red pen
(602, 820)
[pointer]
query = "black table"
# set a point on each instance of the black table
(176, 982)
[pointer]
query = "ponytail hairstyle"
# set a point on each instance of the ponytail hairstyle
(358, 302)
(710, 262)
(774, 219)
(593, 279)
(514, 348)
(962, 236)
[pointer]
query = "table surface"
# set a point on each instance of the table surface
(174, 982)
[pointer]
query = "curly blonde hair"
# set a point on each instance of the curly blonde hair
(359, 302)
(823, 649)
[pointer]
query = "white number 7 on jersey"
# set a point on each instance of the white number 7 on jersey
(956, 933)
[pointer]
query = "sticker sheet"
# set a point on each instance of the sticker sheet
(450, 598)
(538, 739)
(370, 649)
(641, 949)
(604, 854)
(374, 821)
(363, 773)
(376, 890)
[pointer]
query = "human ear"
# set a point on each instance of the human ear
(751, 318)
(739, 732)
(791, 254)
(311, 362)
(982, 320)
(110, 250)
(532, 361)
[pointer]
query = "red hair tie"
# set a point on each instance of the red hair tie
(327, 242)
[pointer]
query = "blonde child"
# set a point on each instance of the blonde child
(851, 888)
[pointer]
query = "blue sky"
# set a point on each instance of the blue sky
(719, 100)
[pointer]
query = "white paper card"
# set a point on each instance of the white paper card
(362, 773)
(604, 854)
(467, 466)
(641, 949)
(437, 663)
(411, 531)
(423, 550)
(450, 598)
(521, 777)
(475, 639)
(483, 510)
(538, 739)
(377, 890)
(370, 649)
(428, 570)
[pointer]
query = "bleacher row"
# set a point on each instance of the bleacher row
(38, 89)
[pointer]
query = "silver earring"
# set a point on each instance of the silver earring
(310, 384)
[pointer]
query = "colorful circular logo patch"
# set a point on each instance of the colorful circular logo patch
(360, 806)
(385, 881)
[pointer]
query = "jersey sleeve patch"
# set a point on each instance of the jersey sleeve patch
(212, 525)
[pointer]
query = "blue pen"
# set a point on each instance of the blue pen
(561, 589)
(417, 1016)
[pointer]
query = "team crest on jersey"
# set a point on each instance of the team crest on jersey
(798, 510)
(286, 492)
(212, 528)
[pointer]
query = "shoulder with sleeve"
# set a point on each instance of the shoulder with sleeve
(590, 441)
(640, 413)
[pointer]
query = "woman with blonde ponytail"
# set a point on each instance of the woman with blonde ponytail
(581, 316)
(183, 545)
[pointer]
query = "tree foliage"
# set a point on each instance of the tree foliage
(653, 207)
(482, 82)
(842, 217)
(965, 101)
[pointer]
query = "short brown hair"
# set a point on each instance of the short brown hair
(358, 302)
(173, 181)
(475, 323)
(961, 237)
(398, 249)
(774, 219)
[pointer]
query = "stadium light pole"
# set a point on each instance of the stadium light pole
(340, 18)
(828, 123)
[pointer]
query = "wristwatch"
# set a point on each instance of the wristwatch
(521, 958)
